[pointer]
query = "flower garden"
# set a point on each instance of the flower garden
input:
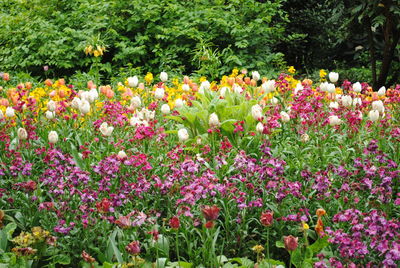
(160, 171)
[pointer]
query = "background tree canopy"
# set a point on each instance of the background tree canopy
(208, 37)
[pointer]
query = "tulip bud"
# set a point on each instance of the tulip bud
(284, 116)
(174, 223)
(357, 87)
(136, 102)
(10, 112)
(256, 112)
(290, 242)
(165, 109)
(256, 75)
(268, 86)
(334, 120)
(183, 135)
(178, 103)
(105, 129)
(347, 101)
(163, 76)
(330, 88)
(159, 93)
(382, 91)
(185, 87)
(378, 106)
(84, 107)
(267, 218)
(213, 120)
(373, 115)
(133, 81)
(22, 134)
(260, 127)
(323, 86)
(121, 155)
(222, 91)
(51, 106)
(53, 137)
(333, 77)
(334, 105)
(133, 248)
(205, 85)
(50, 115)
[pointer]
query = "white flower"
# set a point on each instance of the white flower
(237, 89)
(357, 87)
(330, 88)
(159, 93)
(357, 101)
(148, 115)
(179, 103)
(201, 90)
(338, 97)
(50, 115)
(183, 135)
(305, 137)
(222, 91)
(324, 86)
(165, 109)
(284, 116)
(133, 81)
(213, 120)
(205, 85)
(10, 112)
(22, 134)
(260, 127)
(136, 102)
(105, 129)
(84, 107)
(1, 114)
(378, 106)
(334, 120)
(134, 121)
(76, 103)
(51, 106)
(122, 155)
(85, 95)
(274, 100)
(256, 75)
(53, 137)
(382, 91)
(359, 115)
(268, 86)
(163, 76)
(185, 87)
(256, 112)
(334, 77)
(347, 101)
(334, 105)
(373, 115)
(298, 88)
(93, 94)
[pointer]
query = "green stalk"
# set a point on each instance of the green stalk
(176, 245)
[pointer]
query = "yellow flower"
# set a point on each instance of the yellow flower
(305, 225)
(148, 78)
(258, 249)
(96, 53)
(291, 70)
(322, 73)
(203, 78)
(235, 72)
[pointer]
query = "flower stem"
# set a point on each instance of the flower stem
(176, 245)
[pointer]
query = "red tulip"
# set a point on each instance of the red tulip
(291, 242)
(267, 218)
(210, 213)
(133, 248)
(174, 222)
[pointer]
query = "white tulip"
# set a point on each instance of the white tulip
(222, 91)
(284, 116)
(334, 105)
(334, 120)
(256, 75)
(84, 107)
(179, 103)
(347, 101)
(105, 129)
(159, 93)
(324, 86)
(50, 115)
(382, 91)
(122, 155)
(260, 127)
(133, 81)
(136, 102)
(10, 112)
(333, 77)
(213, 120)
(76, 103)
(205, 85)
(378, 106)
(183, 135)
(268, 86)
(357, 87)
(305, 137)
(359, 115)
(134, 121)
(201, 90)
(274, 100)
(53, 137)
(163, 76)
(357, 101)
(298, 88)
(185, 87)
(330, 88)
(51, 106)
(338, 97)
(85, 95)
(373, 115)
(22, 134)
(1, 114)
(165, 109)
(148, 115)
(256, 112)
(237, 89)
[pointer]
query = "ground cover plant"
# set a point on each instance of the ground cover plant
(177, 171)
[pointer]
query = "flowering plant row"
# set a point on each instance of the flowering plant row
(159, 172)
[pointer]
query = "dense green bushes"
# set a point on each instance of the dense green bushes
(211, 36)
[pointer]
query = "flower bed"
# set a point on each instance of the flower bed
(161, 172)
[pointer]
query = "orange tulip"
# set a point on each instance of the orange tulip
(48, 82)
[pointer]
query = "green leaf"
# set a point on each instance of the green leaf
(279, 244)
(296, 257)
(114, 247)
(61, 259)
(319, 244)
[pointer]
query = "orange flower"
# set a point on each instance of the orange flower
(319, 228)
(320, 212)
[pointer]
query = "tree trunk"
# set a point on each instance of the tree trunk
(371, 51)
